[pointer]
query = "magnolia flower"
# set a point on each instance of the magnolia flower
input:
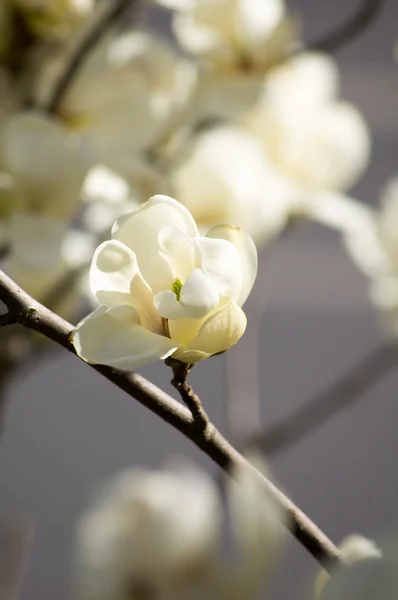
(371, 239)
(42, 167)
(155, 534)
(232, 34)
(314, 139)
(43, 164)
(43, 253)
(53, 19)
(353, 548)
(223, 176)
(238, 41)
(165, 290)
(126, 95)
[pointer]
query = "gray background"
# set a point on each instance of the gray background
(67, 429)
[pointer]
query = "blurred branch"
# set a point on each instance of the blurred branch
(33, 315)
(351, 29)
(322, 407)
(106, 20)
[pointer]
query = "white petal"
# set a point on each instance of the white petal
(218, 333)
(167, 305)
(247, 253)
(199, 295)
(115, 337)
(105, 185)
(139, 230)
(36, 239)
(115, 279)
(220, 261)
(49, 162)
(179, 251)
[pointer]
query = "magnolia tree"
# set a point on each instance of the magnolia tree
(138, 176)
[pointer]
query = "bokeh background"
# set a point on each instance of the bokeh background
(66, 429)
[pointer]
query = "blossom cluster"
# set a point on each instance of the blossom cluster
(238, 124)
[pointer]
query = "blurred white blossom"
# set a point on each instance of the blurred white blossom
(156, 534)
(353, 548)
(165, 290)
(314, 139)
(374, 577)
(42, 168)
(126, 95)
(371, 238)
(223, 176)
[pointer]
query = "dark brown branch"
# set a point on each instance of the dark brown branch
(350, 30)
(107, 19)
(188, 396)
(33, 315)
(322, 407)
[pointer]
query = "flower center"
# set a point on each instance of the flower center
(176, 287)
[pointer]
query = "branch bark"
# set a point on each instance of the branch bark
(33, 315)
(351, 29)
(323, 406)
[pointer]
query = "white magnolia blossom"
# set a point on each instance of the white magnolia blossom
(371, 239)
(42, 166)
(317, 141)
(54, 19)
(238, 41)
(126, 95)
(43, 252)
(165, 290)
(224, 176)
(353, 548)
(156, 534)
(232, 34)
(107, 195)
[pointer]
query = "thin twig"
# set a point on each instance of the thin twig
(188, 396)
(350, 30)
(33, 315)
(323, 406)
(107, 19)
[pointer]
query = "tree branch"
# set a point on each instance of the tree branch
(33, 315)
(107, 19)
(348, 31)
(323, 406)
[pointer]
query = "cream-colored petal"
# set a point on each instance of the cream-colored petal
(179, 251)
(199, 295)
(115, 337)
(247, 253)
(48, 161)
(218, 333)
(167, 305)
(115, 279)
(112, 270)
(220, 261)
(139, 230)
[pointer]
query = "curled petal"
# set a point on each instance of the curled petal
(220, 261)
(218, 333)
(139, 230)
(179, 251)
(247, 253)
(115, 337)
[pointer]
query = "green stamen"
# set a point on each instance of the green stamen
(176, 287)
